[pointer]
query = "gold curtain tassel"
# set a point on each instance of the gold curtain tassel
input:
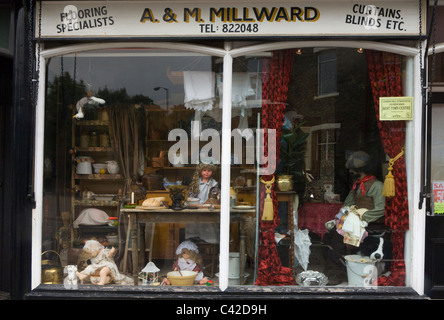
(388, 189)
(268, 213)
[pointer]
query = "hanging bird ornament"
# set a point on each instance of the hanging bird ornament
(89, 100)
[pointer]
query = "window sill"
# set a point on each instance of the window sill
(329, 95)
(54, 291)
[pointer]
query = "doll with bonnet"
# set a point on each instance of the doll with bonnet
(188, 258)
(102, 269)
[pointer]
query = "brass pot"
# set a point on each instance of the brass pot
(285, 182)
(52, 271)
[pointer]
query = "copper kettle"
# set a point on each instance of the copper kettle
(52, 271)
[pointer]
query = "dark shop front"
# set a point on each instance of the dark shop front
(202, 150)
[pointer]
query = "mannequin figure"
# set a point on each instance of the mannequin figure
(367, 202)
(367, 190)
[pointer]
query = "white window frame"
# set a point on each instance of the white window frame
(415, 237)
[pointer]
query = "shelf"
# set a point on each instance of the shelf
(94, 149)
(91, 122)
(155, 108)
(98, 176)
(244, 187)
(97, 203)
(103, 228)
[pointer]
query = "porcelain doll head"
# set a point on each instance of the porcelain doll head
(93, 247)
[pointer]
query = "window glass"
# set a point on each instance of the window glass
(306, 222)
(132, 179)
(123, 140)
(327, 72)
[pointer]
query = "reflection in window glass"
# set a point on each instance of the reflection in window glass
(331, 165)
(134, 135)
(125, 137)
(327, 72)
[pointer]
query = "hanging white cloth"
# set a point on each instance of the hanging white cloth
(302, 245)
(241, 90)
(199, 89)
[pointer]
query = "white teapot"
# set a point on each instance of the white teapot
(112, 166)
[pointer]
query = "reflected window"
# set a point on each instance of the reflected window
(327, 72)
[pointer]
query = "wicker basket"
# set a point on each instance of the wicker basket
(186, 279)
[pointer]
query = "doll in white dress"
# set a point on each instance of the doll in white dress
(102, 269)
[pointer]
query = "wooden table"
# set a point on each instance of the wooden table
(137, 216)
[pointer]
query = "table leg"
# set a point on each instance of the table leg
(135, 249)
(242, 251)
(291, 229)
(153, 228)
(125, 254)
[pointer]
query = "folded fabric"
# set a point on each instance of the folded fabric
(350, 225)
(199, 89)
(353, 228)
(91, 217)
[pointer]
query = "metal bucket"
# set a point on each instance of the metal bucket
(52, 271)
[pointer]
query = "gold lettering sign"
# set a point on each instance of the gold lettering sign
(395, 108)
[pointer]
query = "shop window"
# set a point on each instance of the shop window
(323, 149)
(129, 137)
(143, 139)
(437, 61)
(327, 72)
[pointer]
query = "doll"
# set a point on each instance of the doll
(102, 268)
(202, 182)
(204, 187)
(188, 258)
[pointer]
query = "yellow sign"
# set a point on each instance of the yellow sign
(395, 108)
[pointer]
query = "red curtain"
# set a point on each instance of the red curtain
(386, 81)
(277, 73)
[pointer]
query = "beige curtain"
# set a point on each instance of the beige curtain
(124, 134)
(125, 124)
